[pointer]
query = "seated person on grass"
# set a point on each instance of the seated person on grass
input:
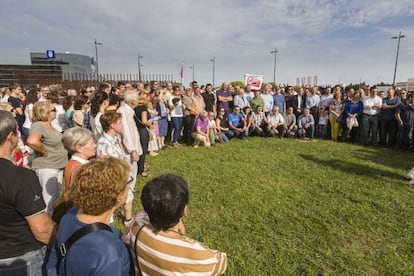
(247, 116)
(291, 126)
(306, 125)
(259, 121)
(199, 131)
(275, 123)
(159, 245)
(237, 123)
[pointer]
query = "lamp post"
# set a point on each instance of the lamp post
(274, 66)
(213, 60)
(96, 57)
(396, 58)
(192, 68)
(139, 66)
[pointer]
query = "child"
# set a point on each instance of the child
(323, 122)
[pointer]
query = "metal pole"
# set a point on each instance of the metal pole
(396, 58)
(192, 67)
(274, 66)
(139, 66)
(96, 57)
(214, 68)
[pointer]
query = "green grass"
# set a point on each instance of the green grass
(288, 207)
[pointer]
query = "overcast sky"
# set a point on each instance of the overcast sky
(338, 40)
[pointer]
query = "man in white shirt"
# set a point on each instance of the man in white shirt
(372, 107)
(276, 123)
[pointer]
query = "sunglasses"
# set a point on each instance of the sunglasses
(52, 110)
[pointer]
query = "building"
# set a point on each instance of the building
(71, 64)
(29, 75)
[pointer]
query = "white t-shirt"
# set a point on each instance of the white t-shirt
(60, 123)
(27, 122)
(177, 111)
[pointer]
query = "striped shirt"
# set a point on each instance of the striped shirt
(175, 254)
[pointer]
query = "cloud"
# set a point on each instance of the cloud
(334, 39)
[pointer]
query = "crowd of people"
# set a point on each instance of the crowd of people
(55, 134)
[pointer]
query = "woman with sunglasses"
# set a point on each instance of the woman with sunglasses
(49, 157)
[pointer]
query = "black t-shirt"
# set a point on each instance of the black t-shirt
(138, 114)
(209, 100)
(20, 197)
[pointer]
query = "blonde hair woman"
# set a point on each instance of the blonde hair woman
(100, 188)
(49, 157)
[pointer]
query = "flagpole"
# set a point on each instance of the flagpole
(182, 73)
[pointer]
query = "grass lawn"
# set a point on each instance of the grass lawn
(283, 207)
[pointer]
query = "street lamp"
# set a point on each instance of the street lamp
(192, 68)
(213, 60)
(274, 67)
(396, 58)
(139, 66)
(96, 57)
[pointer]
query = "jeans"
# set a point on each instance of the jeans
(369, 129)
(404, 136)
(388, 126)
(177, 122)
(28, 264)
(310, 131)
(144, 139)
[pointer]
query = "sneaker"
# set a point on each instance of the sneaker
(195, 146)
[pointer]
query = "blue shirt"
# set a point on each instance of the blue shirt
(234, 118)
(389, 113)
(352, 108)
(97, 253)
(279, 100)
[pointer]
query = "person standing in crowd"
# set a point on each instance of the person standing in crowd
(312, 102)
(14, 100)
(210, 99)
(163, 111)
(99, 103)
(372, 105)
(267, 99)
(101, 187)
(25, 228)
(130, 139)
(31, 98)
(241, 100)
(59, 123)
(388, 120)
(336, 110)
(109, 145)
(256, 100)
(69, 107)
(306, 124)
(352, 117)
(158, 240)
(49, 157)
(81, 105)
(143, 124)
(279, 100)
(44, 91)
(224, 97)
(176, 107)
(299, 102)
(405, 120)
(190, 114)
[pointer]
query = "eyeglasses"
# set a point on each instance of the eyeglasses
(130, 180)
